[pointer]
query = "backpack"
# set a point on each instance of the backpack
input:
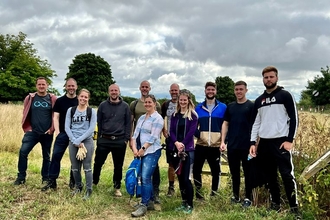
(133, 178)
(134, 107)
(164, 107)
(89, 116)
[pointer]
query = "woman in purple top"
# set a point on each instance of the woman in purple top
(182, 129)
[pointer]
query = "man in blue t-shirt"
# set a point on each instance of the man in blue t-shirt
(61, 142)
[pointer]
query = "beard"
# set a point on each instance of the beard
(114, 99)
(271, 86)
(210, 97)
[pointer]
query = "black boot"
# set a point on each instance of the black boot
(51, 184)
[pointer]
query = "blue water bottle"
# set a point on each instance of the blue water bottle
(249, 157)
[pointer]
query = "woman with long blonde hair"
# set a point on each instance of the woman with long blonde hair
(182, 129)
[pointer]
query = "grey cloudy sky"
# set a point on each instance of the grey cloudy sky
(184, 41)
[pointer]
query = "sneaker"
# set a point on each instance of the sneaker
(234, 200)
(151, 205)
(156, 196)
(140, 211)
(19, 182)
(88, 194)
(274, 207)
(170, 191)
(182, 207)
(77, 191)
(51, 184)
(117, 193)
(188, 210)
(246, 203)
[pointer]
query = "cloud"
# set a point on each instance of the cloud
(188, 42)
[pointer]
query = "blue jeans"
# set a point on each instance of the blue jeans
(60, 146)
(149, 163)
(29, 140)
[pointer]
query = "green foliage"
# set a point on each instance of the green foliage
(193, 98)
(315, 194)
(20, 66)
(128, 99)
(162, 100)
(225, 89)
(311, 142)
(54, 91)
(93, 73)
(305, 99)
(321, 85)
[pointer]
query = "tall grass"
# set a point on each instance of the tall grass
(28, 202)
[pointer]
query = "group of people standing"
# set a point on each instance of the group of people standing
(263, 130)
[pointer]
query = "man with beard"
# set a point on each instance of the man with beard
(62, 140)
(168, 108)
(114, 129)
(210, 118)
(276, 125)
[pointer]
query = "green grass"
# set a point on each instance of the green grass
(28, 202)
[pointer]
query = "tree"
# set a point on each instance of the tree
(225, 89)
(193, 98)
(318, 90)
(20, 66)
(128, 99)
(93, 73)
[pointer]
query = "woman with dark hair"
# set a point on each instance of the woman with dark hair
(80, 129)
(146, 144)
(182, 129)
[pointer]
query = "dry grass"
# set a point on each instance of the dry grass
(28, 202)
(11, 132)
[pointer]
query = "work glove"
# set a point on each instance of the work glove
(82, 152)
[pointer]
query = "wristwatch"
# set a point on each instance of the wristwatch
(143, 148)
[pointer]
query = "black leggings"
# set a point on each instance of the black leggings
(186, 188)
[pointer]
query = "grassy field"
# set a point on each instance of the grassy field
(28, 202)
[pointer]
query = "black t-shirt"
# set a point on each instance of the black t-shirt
(181, 127)
(61, 106)
(41, 113)
(239, 116)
